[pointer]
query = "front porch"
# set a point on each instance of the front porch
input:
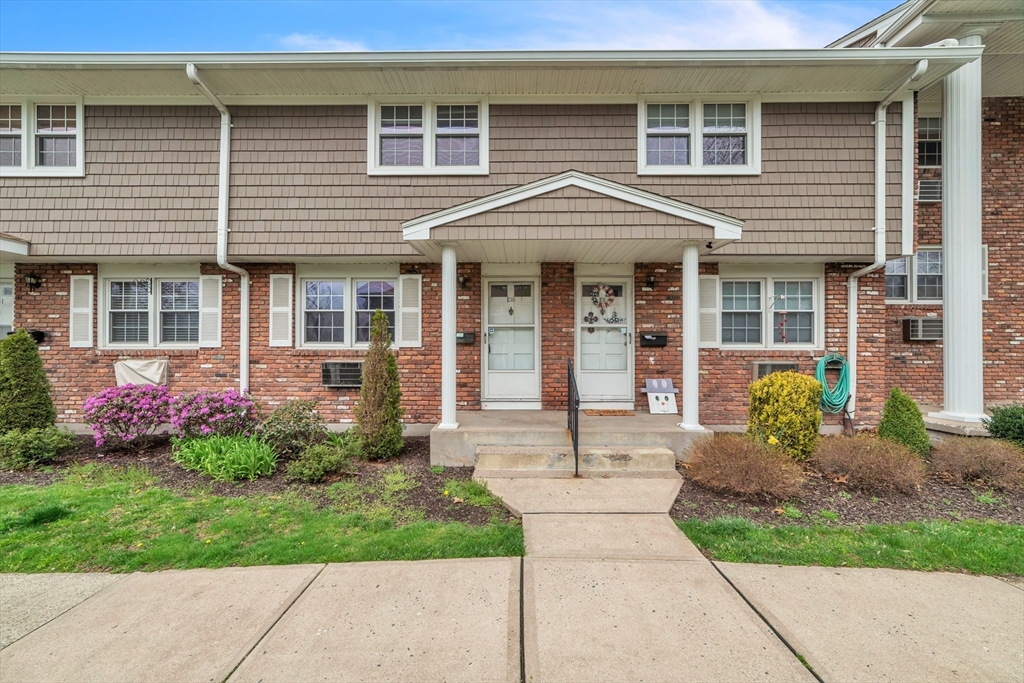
(457, 447)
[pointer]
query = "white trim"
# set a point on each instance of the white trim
(984, 273)
(29, 151)
(767, 275)
(907, 176)
(603, 270)
(210, 316)
(607, 405)
(284, 326)
(511, 405)
(429, 167)
(155, 274)
(80, 315)
(726, 227)
(13, 247)
(696, 165)
(522, 270)
(306, 272)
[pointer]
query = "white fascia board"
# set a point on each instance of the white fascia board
(725, 227)
(13, 247)
(879, 24)
(227, 60)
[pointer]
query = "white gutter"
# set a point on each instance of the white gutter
(224, 186)
(879, 262)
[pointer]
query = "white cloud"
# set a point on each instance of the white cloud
(670, 25)
(314, 43)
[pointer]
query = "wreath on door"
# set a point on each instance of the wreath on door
(603, 296)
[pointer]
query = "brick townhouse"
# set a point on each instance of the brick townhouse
(698, 216)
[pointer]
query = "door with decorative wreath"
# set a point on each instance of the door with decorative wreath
(604, 340)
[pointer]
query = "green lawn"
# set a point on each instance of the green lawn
(974, 546)
(102, 519)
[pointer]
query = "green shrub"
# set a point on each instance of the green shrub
(319, 461)
(293, 427)
(22, 448)
(24, 390)
(870, 464)
(730, 463)
(784, 413)
(226, 458)
(379, 411)
(902, 422)
(1007, 422)
(971, 460)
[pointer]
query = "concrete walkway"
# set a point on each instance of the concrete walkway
(605, 596)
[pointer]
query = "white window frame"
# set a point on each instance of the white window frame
(29, 154)
(349, 276)
(917, 151)
(696, 165)
(767, 277)
(429, 167)
(155, 275)
(912, 296)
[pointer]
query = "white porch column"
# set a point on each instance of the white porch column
(961, 243)
(691, 338)
(448, 299)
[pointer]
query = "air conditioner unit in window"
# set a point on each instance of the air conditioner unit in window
(765, 368)
(929, 191)
(922, 329)
(341, 375)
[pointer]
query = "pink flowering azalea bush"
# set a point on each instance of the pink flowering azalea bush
(128, 415)
(208, 413)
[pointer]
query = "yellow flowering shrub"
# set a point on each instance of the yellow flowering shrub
(785, 414)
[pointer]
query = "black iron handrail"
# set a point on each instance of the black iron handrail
(573, 408)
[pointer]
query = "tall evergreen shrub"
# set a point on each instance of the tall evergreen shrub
(24, 390)
(903, 423)
(379, 411)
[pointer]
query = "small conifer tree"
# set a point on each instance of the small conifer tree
(903, 423)
(379, 412)
(24, 390)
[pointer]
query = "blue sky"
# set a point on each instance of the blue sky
(217, 25)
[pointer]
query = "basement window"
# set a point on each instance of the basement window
(42, 137)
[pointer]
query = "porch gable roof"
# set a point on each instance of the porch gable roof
(715, 225)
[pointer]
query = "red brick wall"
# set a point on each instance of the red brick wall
(659, 310)
(557, 321)
(917, 366)
(468, 316)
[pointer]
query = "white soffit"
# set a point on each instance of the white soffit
(12, 246)
(726, 227)
(280, 77)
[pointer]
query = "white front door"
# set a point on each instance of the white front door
(604, 349)
(6, 307)
(510, 349)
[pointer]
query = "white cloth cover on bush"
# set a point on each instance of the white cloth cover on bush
(149, 371)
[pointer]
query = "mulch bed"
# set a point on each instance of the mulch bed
(415, 459)
(936, 500)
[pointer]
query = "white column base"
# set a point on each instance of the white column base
(448, 427)
(691, 428)
(957, 417)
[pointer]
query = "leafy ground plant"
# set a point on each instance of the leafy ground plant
(226, 458)
(293, 427)
(101, 519)
(320, 461)
(736, 464)
(20, 449)
(980, 547)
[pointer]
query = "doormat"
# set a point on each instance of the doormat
(594, 412)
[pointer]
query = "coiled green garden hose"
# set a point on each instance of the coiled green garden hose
(833, 400)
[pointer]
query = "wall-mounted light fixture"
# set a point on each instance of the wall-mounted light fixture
(33, 281)
(650, 280)
(463, 281)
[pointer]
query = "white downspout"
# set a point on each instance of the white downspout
(224, 186)
(853, 281)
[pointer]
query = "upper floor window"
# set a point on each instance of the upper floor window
(929, 142)
(699, 138)
(413, 138)
(38, 138)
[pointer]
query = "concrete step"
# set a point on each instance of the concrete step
(557, 462)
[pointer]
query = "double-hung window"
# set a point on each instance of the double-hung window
(929, 142)
(176, 311)
(41, 138)
(918, 278)
(339, 311)
(416, 138)
(762, 311)
(692, 137)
